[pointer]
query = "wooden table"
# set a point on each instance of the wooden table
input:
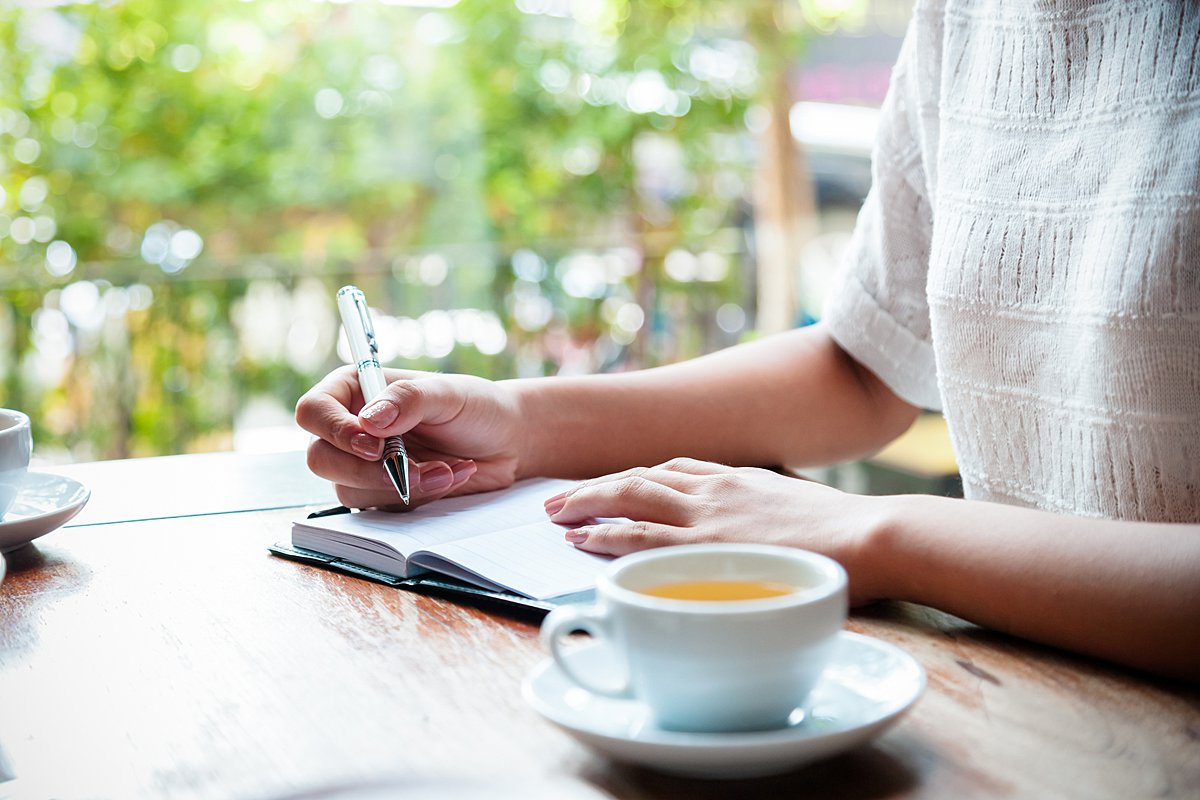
(174, 657)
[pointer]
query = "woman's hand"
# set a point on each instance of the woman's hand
(686, 501)
(461, 434)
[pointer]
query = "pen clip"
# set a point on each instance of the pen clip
(364, 315)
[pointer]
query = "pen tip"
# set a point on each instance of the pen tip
(397, 470)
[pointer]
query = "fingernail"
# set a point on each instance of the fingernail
(436, 478)
(560, 499)
(365, 445)
(461, 470)
(576, 536)
(380, 413)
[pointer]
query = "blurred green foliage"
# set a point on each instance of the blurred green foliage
(178, 177)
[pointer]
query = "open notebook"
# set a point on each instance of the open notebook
(498, 541)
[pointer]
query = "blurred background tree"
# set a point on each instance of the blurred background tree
(523, 187)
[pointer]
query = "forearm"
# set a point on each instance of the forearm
(1124, 591)
(794, 399)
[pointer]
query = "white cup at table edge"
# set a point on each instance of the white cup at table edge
(16, 447)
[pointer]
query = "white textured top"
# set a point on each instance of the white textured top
(1028, 259)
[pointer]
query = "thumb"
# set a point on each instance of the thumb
(404, 404)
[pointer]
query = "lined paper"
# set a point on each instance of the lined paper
(533, 560)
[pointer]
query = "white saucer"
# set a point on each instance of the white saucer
(44, 503)
(866, 687)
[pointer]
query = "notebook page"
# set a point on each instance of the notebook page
(442, 521)
(534, 560)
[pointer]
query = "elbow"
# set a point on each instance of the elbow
(890, 414)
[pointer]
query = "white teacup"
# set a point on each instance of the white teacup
(710, 664)
(16, 445)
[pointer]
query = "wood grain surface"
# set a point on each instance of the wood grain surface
(196, 483)
(176, 658)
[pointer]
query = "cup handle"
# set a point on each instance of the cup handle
(588, 618)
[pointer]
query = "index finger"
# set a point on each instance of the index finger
(678, 473)
(637, 497)
(329, 410)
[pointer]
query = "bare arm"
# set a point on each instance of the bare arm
(796, 398)
(1124, 591)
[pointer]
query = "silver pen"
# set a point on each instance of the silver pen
(356, 320)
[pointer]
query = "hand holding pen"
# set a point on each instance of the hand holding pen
(462, 433)
(356, 320)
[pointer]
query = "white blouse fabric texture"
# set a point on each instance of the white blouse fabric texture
(1028, 259)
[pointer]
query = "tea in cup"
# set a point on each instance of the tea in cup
(711, 637)
(16, 445)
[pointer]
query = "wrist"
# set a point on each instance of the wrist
(532, 437)
(882, 564)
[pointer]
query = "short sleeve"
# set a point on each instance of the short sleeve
(877, 310)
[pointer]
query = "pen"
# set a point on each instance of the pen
(356, 319)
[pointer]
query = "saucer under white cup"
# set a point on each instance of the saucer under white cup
(43, 503)
(866, 687)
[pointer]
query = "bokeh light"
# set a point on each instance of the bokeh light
(328, 102)
(60, 258)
